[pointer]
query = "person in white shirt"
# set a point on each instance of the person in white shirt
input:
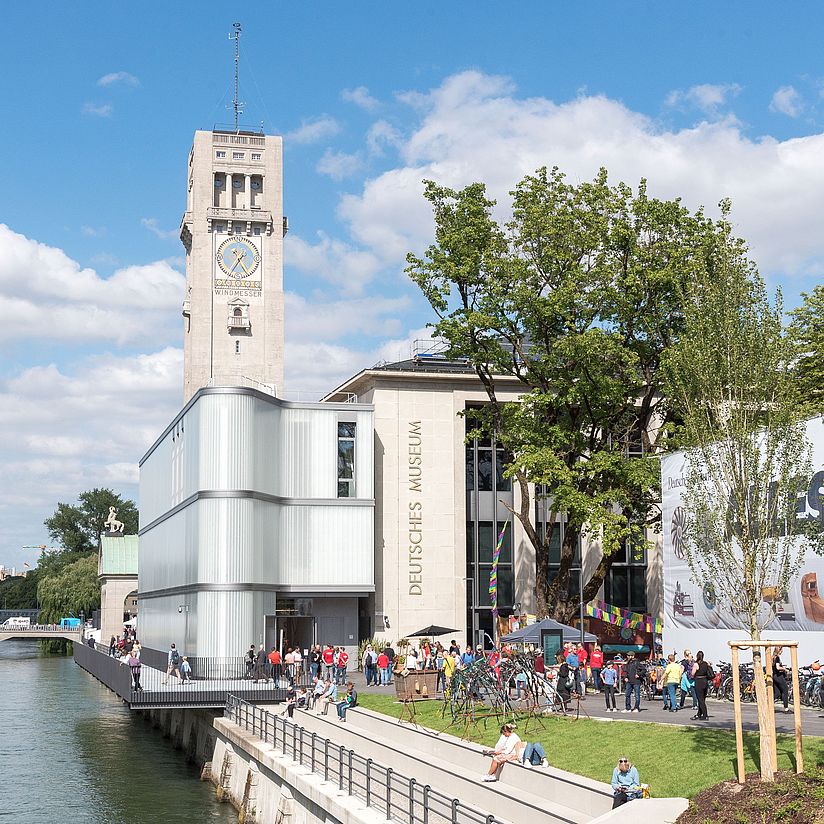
(505, 750)
(411, 662)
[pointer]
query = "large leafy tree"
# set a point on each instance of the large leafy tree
(807, 332)
(576, 297)
(70, 591)
(77, 527)
(732, 383)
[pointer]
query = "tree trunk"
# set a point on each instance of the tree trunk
(765, 705)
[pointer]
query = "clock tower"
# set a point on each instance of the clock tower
(233, 233)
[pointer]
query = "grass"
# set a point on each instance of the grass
(674, 761)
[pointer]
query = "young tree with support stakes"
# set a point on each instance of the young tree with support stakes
(576, 297)
(731, 382)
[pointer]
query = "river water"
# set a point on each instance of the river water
(72, 753)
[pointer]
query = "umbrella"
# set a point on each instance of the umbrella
(432, 630)
(532, 633)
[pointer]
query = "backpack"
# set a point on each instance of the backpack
(175, 658)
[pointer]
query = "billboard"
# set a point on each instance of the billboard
(694, 605)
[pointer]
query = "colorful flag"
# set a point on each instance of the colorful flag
(493, 575)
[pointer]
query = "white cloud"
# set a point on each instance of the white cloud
(380, 135)
(339, 165)
(62, 301)
(313, 319)
(475, 128)
(64, 431)
(314, 130)
(93, 231)
(332, 260)
(151, 224)
(360, 97)
(787, 100)
(114, 78)
(708, 97)
(98, 109)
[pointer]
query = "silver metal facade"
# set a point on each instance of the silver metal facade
(239, 502)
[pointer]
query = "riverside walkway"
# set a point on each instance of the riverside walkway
(160, 692)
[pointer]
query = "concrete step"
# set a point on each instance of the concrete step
(455, 768)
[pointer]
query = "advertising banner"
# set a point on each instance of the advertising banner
(695, 605)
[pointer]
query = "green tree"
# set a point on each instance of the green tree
(19, 592)
(577, 298)
(78, 527)
(69, 591)
(807, 331)
(731, 381)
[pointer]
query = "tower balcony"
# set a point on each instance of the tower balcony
(253, 215)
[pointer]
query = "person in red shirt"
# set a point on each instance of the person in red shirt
(383, 667)
(596, 664)
(329, 661)
(275, 662)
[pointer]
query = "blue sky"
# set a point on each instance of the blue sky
(706, 100)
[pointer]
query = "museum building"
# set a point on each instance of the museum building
(264, 520)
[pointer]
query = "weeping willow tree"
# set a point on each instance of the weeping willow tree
(731, 381)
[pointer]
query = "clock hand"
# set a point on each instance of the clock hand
(238, 258)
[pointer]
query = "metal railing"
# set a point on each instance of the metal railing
(231, 668)
(399, 798)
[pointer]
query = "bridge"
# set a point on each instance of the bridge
(41, 632)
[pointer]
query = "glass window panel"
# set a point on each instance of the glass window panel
(346, 429)
(470, 542)
(502, 484)
(346, 458)
(638, 589)
(486, 540)
(470, 468)
(619, 586)
(506, 587)
(506, 544)
(638, 552)
(344, 488)
(485, 470)
(555, 545)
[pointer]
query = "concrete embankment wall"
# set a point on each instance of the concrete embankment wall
(268, 788)
(190, 730)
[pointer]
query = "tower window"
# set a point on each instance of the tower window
(256, 230)
(236, 183)
(237, 347)
(220, 154)
(219, 179)
(238, 155)
(256, 156)
(346, 459)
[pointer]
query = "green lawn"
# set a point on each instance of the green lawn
(674, 761)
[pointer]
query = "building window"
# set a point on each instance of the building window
(219, 154)
(346, 459)
(237, 347)
(237, 183)
(256, 230)
(488, 493)
(626, 584)
(238, 155)
(219, 179)
(256, 156)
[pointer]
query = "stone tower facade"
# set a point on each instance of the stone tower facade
(233, 233)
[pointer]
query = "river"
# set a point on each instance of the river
(71, 753)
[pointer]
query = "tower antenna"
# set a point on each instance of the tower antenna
(237, 106)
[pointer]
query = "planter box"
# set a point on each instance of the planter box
(411, 687)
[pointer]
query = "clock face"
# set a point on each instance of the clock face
(238, 258)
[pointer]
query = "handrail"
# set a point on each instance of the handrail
(399, 798)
